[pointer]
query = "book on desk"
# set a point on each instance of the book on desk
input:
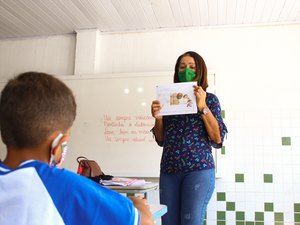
(133, 190)
(123, 181)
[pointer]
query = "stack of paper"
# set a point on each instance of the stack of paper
(122, 181)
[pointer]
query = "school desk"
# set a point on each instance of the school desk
(133, 190)
(158, 211)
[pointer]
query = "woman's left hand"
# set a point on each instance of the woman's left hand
(200, 97)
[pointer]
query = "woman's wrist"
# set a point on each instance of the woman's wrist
(205, 111)
(200, 108)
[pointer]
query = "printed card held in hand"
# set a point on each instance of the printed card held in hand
(177, 98)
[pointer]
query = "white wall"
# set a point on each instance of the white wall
(255, 57)
(53, 54)
(257, 79)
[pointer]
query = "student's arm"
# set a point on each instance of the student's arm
(144, 209)
(158, 126)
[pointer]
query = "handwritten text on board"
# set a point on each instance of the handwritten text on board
(128, 129)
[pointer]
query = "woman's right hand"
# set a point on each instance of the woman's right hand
(155, 109)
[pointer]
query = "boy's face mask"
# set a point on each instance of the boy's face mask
(186, 75)
(64, 149)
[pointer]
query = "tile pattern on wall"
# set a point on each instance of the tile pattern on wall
(260, 182)
(260, 179)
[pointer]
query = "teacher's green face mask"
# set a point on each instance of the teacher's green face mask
(186, 75)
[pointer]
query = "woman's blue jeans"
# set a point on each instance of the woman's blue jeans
(187, 196)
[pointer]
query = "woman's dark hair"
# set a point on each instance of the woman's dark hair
(201, 70)
(33, 106)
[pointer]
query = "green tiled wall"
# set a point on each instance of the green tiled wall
(221, 196)
(255, 171)
(239, 178)
(221, 215)
(230, 206)
(259, 216)
(223, 114)
(286, 140)
(278, 217)
(240, 215)
(297, 207)
(223, 150)
(269, 207)
(268, 178)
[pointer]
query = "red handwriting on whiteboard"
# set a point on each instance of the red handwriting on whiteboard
(127, 129)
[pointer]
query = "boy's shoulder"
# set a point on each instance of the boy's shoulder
(53, 189)
(77, 186)
(49, 176)
(52, 175)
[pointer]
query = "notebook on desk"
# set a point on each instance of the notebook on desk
(123, 181)
(132, 190)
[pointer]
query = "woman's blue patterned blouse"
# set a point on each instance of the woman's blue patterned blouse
(187, 146)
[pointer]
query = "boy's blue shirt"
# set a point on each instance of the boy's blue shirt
(36, 193)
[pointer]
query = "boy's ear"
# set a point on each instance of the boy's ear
(65, 138)
(56, 150)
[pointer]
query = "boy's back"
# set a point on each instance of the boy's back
(36, 115)
(35, 193)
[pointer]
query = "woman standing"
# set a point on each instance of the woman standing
(187, 174)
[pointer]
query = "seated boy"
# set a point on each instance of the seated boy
(36, 114)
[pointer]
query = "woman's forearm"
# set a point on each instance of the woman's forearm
(159, 129)
(212, 127)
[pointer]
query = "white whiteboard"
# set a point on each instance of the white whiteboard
(113, 127)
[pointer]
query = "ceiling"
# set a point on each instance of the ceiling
(27, 18)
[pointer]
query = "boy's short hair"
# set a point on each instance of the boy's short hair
(33, 105)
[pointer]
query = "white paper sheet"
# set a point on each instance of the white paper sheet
(123, 181)
(177, 98)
